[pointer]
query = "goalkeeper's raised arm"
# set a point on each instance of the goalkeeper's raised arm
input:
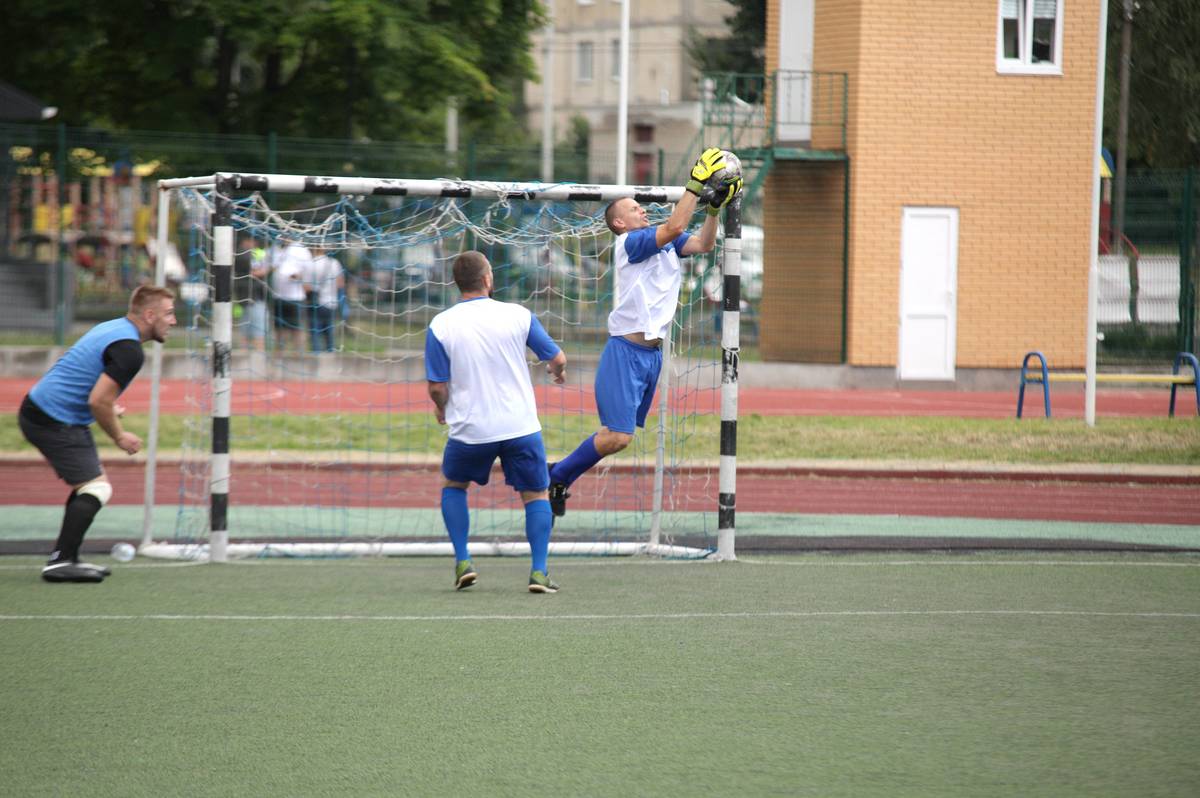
(708, 184)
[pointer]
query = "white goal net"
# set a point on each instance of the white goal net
(294, 423)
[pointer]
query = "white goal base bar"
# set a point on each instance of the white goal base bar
(199, 552)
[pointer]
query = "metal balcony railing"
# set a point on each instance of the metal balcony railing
(788, 108)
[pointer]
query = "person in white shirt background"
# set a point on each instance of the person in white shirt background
(287, 283)
(324, 282)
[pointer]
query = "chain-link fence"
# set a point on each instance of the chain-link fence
(1148, 275)
(77, 204)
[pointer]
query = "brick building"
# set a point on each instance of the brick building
(957, 228)
(664, 89)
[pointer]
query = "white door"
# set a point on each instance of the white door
(928, 284)
(793, 89)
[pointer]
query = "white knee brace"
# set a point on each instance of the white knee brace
(100, 488)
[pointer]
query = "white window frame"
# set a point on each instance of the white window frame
(580, 48)
(615, 54)
(1023, 65)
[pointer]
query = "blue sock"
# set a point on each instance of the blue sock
(572, 467)
(458, 520)
(537, 531)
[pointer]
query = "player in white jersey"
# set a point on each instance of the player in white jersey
(479, 383)
(646, 260)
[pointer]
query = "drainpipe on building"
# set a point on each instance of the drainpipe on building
(1122, 127)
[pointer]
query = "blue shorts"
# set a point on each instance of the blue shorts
(625, 382)
(523, 460)
(256, 320)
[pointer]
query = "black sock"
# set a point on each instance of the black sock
(81, 509)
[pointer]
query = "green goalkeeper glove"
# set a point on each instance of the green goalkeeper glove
(724, 195)
(709, 163)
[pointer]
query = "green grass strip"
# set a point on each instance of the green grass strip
(249, 523)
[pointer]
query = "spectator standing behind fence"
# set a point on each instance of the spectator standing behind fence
(287, 281)
(250, 271)
(325, 282)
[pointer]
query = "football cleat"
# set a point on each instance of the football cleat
(540, 582)
(103, 570)
(464, 575)
(70, 572)
(558, 499)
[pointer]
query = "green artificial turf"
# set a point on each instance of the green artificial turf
(863, 675)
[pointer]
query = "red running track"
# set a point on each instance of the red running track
(1100, 500)
(260, 398)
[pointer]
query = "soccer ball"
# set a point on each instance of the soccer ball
(733, 166)
(123, 552)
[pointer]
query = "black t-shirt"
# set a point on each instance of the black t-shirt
(241, 277)
(123, 360)
(245, 284)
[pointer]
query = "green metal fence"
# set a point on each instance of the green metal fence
(1161, 218)
(75, 203)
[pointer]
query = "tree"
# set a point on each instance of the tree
(1164, 86)
(382, 69)
(743, 50)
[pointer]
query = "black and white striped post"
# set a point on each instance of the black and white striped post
(731, 323)
(222, 385)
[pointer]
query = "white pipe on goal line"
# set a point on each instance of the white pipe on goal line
(396, 187)
(199, 552)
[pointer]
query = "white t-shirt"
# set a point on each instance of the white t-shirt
(478, 347)
(323, 274)
(648, 280)
(290, 270)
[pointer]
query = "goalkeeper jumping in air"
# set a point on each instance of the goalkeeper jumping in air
(646, 259)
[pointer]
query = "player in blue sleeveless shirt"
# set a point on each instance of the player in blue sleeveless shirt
(82, 387)
(647, 262)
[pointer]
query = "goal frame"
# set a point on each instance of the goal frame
(226, 185)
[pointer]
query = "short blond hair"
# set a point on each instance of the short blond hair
(146, 295)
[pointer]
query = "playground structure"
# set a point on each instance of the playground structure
(100, 221)
(76, 247)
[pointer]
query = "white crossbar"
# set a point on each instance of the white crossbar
(444, 187)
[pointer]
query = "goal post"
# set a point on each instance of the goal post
(343, 462)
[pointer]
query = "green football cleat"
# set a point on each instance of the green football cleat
(464, 575)
(539, 582)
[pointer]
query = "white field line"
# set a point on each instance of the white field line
(907, 563)
(584, 562)
(681, 616)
